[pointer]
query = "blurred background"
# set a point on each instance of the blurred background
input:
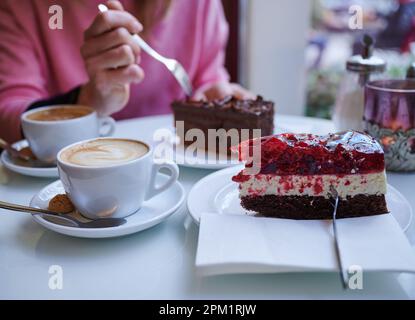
(300, 66)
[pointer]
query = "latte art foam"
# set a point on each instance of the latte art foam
(104, 152)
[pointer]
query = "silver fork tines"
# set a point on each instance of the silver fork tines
(343, 273)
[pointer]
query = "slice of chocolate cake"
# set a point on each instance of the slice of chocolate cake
(230, 114)
(295, 173)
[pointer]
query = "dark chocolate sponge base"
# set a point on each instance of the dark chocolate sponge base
(314, 208)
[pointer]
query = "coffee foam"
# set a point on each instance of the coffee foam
(60, 113)
(104, 152)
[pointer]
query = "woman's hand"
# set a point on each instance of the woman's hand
(111, 58)
(222, 90)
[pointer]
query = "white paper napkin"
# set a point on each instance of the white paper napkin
(243, 244)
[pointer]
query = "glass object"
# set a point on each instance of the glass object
(348, 112)
(390, 118)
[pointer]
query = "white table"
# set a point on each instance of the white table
(158, 263)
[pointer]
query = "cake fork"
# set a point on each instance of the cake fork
(343, 274)
(171, 64)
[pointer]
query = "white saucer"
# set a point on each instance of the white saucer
(27, 168)
(202, 159)
(151, 213)
(216, 193)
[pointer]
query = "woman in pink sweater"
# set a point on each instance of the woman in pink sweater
(93, 61)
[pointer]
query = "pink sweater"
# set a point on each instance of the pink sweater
(37, 63)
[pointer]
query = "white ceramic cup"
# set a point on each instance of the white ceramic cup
(115, 191)
(46, 138)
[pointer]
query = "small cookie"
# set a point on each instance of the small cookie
(61, 204)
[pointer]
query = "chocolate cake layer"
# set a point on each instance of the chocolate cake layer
(229, 113)
(314, 208)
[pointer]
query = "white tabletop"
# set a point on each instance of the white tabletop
(158, 263)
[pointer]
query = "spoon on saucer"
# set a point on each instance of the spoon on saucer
(24, 157)
(99, 223)
(14, 152)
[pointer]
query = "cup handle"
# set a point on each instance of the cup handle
(106, 122)
(155, 190)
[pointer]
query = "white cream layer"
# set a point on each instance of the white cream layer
(315, 185)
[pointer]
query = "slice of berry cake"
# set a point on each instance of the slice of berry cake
(295, 173)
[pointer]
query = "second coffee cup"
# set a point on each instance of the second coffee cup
(49, 129)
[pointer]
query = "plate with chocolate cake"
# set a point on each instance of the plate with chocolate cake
(292, 175)
(207, 130)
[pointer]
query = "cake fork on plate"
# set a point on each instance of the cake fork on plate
(171, 64)
(343, 273)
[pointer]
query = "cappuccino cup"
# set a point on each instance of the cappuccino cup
(50, 129)
(111, 177)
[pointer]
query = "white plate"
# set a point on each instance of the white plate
(216, 193)
(202, 159)
(27, 168)
(151, 213)
(208, 159)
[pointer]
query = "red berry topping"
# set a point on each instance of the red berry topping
(305, 154)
